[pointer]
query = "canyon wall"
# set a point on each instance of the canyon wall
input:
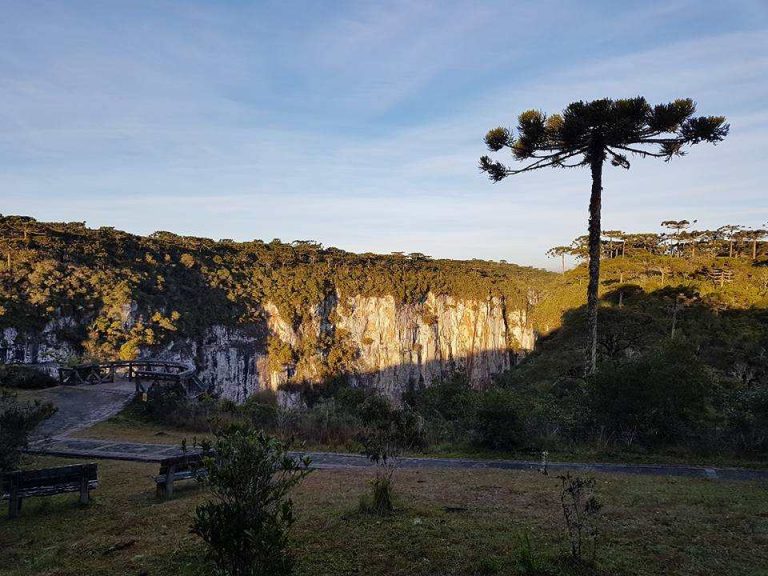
(387, 346)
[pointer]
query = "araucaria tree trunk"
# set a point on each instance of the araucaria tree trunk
(596, 165)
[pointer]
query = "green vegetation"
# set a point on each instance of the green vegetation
(682, 311)
(463, 522)
(24, 378)
(246, 522)
(17, 420)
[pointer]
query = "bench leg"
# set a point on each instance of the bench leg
(169, 481)
(14, 506)
(14, 502)
(84, 496)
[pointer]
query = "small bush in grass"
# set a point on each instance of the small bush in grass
(581, 513)
(384, 441)
(380, 501)
(24, 377)
(246, 523)
(17, 420)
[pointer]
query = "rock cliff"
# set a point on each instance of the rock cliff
(386, 345)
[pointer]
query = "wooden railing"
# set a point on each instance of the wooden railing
(145, 373)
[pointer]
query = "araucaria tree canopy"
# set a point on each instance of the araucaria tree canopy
(588, 134)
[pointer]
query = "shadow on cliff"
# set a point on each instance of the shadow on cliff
(480, 368)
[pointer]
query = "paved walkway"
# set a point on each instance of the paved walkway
(116, 450)
(81, 406)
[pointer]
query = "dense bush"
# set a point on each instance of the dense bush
(448, 407)
(246, 522)
(499, 425)
(170, 405)
(17, 420)
(662, 397)
(747, 413)
(24, 377)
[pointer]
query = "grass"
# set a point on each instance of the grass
(447, 522)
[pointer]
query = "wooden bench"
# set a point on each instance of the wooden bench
(176, 468)
(47, 482)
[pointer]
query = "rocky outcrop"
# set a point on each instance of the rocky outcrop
(388, 346)
(45, 347)
(233, 360)
(413, 344)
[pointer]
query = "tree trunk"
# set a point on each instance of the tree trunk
(594, 259)
(562, 263)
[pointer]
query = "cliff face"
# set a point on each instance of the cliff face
(415, 344)
(387, 346)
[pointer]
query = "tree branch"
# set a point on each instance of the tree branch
(641, 152)
(555, 159)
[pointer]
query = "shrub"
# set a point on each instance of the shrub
(581, 510)
(656, 398)
(328, 423)
(246, 523)
(17, 420)
(451, 398)
(748, 418)
(498, 424)
(384, 441)
(261, 409)
(170, 405)
(448, 406)
(24, 377)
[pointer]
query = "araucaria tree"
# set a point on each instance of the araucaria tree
(588, 134)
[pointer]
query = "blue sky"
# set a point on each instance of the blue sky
(359, 124)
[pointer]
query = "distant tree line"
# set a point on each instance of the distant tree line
(681, 239)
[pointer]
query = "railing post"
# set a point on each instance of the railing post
(169, 480)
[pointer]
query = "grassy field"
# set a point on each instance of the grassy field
(448, 522)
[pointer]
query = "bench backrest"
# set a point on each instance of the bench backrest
(182, 463)
(50, 477)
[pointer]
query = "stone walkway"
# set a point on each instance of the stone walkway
(116, 450)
